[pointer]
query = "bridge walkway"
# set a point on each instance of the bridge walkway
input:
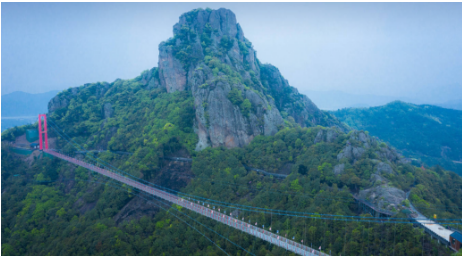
(201, 209)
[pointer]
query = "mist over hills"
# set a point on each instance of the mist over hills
(335, 100)
(429, 133)
(18, 103)
(20, 108)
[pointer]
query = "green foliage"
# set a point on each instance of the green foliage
(226, 43)
(235, 96)
(46, 214)
(428, 133)
(12, 133)
(183, 50)
(246, 106)
(77, 215)
(243, 48)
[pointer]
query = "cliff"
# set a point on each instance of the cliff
(235, 96)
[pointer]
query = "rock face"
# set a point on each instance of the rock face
(172, 74)
(384, 196)
(351, 153)
(107, 110)
(384, 168)
(338, 169)
(290, 102)
(63, 99)
(327, 135)
(236, 98)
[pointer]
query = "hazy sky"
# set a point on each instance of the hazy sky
(397, 49)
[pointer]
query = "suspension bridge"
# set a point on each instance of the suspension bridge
(203, 210)
(185, 202)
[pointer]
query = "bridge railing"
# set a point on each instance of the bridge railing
(201, 209)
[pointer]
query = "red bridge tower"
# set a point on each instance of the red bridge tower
(44, 131)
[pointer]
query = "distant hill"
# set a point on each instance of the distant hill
(335, 100)
(20, 104)
(454, 104)
(20, 108)
(429, 133)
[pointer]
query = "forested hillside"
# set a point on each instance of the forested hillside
(52, 207)
(430, 134)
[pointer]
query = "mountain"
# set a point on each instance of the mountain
(212, 101)
(20, 108)
(453, 104)
(335, 100)
(21, 104)
(428, 133)
(235, 96)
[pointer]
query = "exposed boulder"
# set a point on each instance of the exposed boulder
(377, 178)
(319, 137)
(384, 196)
(384, 168)
(388, 154)
(107, 110)
(332, 134)
(327, 135)
(171, 71)
(338, 169)
(63, 99)
(358, 152)
(351, 153)
(57, 102)
(346, 153)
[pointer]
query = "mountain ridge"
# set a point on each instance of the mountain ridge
(235, 96)
(432, 134)
(53, 207)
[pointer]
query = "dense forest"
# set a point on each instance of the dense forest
(430, 134)
(51, 207)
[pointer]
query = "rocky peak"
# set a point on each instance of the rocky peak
(222, 21)
(200, 34)
(235, 96)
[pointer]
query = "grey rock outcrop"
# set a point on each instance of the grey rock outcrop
(63, 99)
(57, 102)
(331, 135)
(384, 168)
(289, 100)
(351, 153)
(107, 110)
(338, 169)
(327, 135)
(319, 137)
(389, 154)
(384, 196)
(235, 97)
(150, 78)
(215, 34)
(358, 152)
(377, 178)
(218, 121)
(346, 153)
(171, 72)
